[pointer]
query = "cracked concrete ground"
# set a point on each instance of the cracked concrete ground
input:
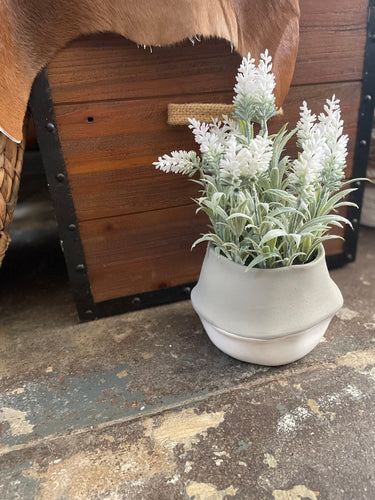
(143, 406)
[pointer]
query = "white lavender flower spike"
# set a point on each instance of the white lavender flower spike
(179, 162)
(254, 99)
(266, 209)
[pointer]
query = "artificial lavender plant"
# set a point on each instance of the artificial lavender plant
(266, 209)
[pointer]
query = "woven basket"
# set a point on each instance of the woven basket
(11, 156)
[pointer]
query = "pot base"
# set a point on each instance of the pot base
(269, 352)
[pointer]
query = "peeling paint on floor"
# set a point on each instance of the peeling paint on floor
(70, 403)
(270, 460)
(358, 360)
(185, 427)
(346, 314)
(296, 493)
(19, 390)
(16, 420)
(292, 421)
(122, 374)
(99, 472)
(142, 406)
(206, 491)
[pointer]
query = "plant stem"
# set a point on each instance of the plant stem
(295, 216)
(256, 212)
(264, 128)
(248, 132)
(321, 197)
(255, 200)
(293, 226)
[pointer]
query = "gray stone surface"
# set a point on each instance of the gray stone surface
(143, 406)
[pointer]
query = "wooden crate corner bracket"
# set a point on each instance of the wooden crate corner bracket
(42, 109)
(362, 146)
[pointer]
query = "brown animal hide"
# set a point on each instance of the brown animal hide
(32, 31)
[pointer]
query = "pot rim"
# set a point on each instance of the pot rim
(320, 256)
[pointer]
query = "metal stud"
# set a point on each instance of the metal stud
(368, 98)
(72, 227)
(60, 177)
(50, 127)
(136, 301)
(80, 267)
(363, 143)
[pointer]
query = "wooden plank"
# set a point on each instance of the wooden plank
(113, 174)
(111, 67)
(107, 66)
(335, 15)
(109, 160)
(142, 252)
(332, 41)
(335, 247)
(137, 253)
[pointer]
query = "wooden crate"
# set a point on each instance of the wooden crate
(368, 206)
(127, 228)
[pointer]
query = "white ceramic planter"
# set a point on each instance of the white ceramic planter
(265, 316)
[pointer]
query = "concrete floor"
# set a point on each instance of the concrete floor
(143, 406)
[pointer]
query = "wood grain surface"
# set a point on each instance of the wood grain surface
(109, 159)
(111, 97)
(141, 252)
(332, 41)
(107, 66)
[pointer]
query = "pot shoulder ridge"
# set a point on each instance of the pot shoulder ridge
(265, 303)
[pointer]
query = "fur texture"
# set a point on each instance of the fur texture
(32, 31)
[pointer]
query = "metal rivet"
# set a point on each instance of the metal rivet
(136, 301)
(72, 227)
(372, 37)
(358, 183)
(368, 98)
(50, 127)
(80, 267)
(60, 177)
(350, 256)
(363, 143)
(89, 312)
(355, 221)
(187, 290)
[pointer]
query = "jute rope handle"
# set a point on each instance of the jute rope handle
(11, 157)
(178, 114)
